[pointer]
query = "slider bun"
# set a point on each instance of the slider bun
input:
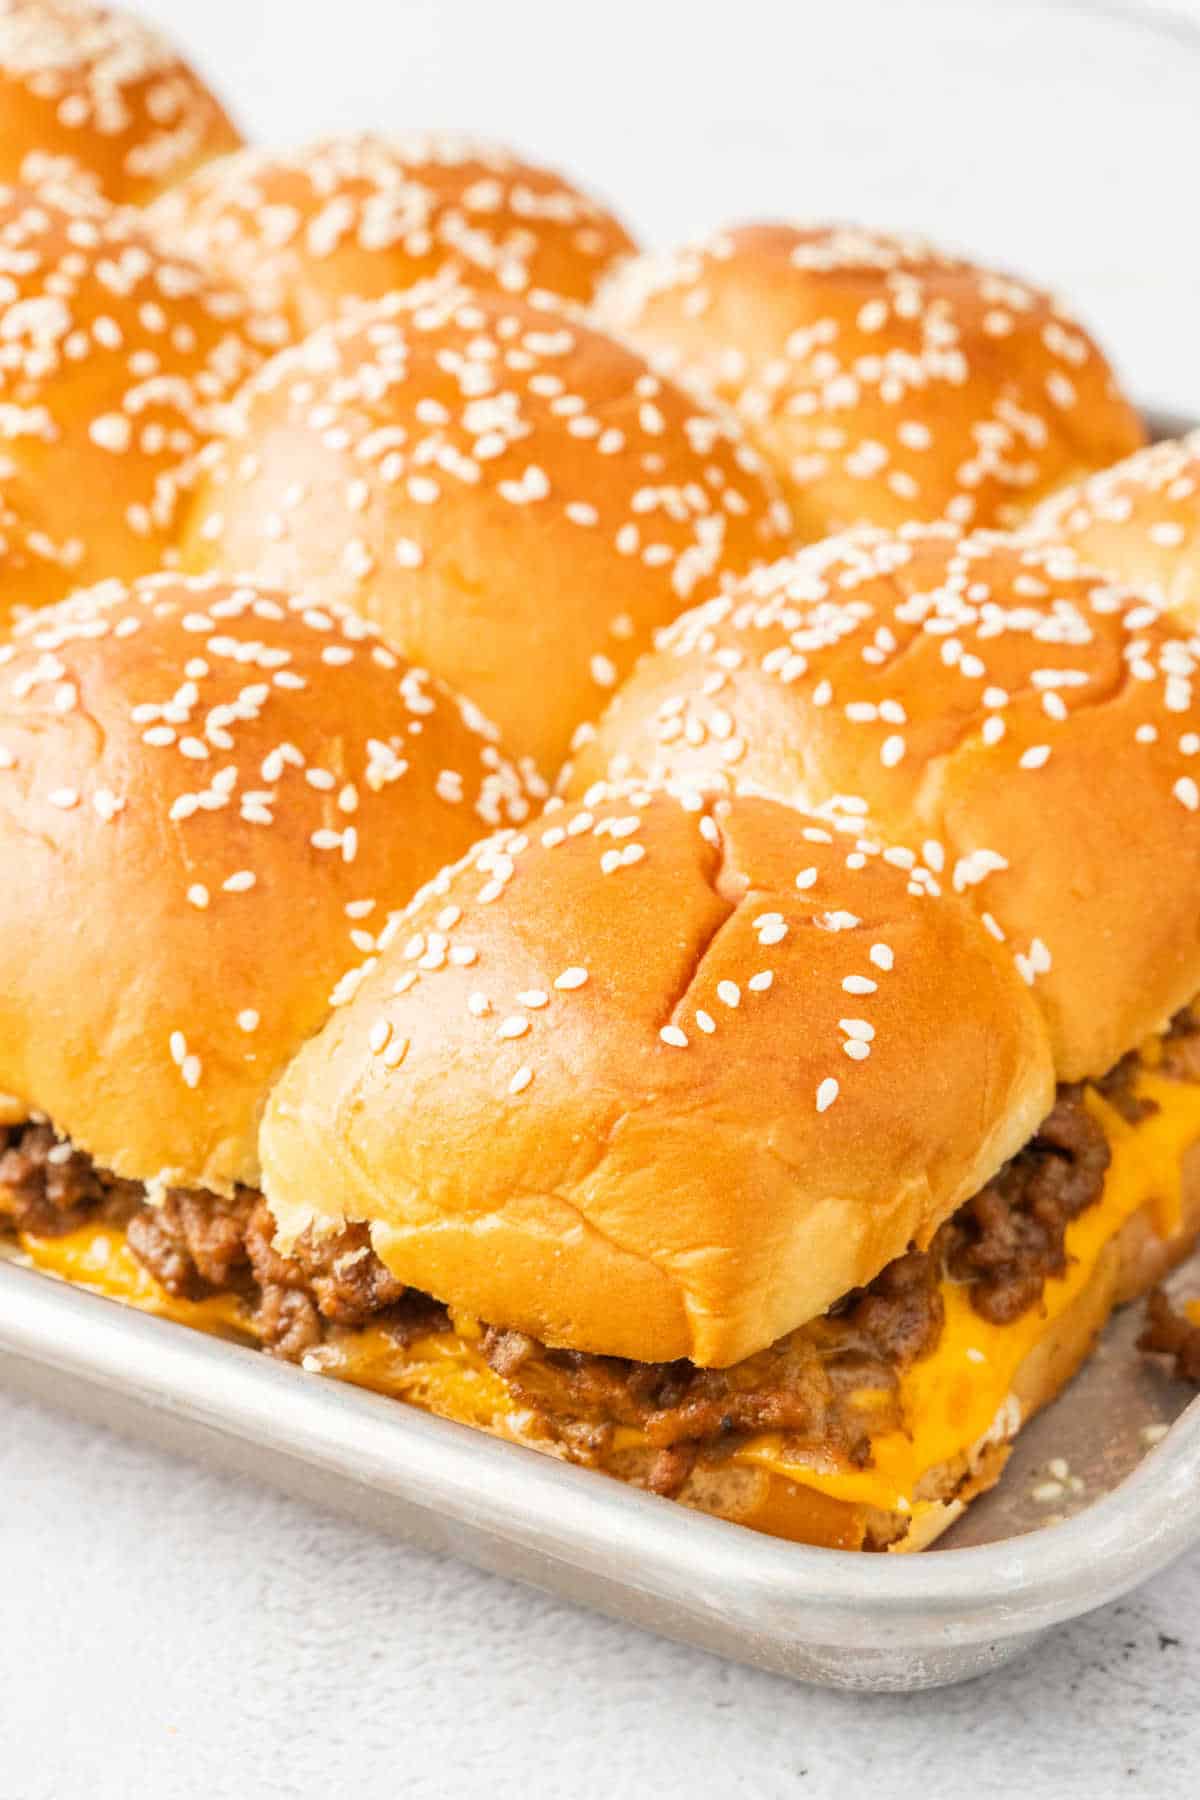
(886, 380)
(113, 360)
(356, 217)
(203, 788)
(499, 1103)
(1038, 725)
(1139, 521)
(93, 94)
(512, 496)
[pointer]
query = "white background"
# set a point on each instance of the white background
(167, 1633)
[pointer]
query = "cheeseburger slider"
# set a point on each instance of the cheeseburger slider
(886, 380)
(213, 800)
(728, 1142)
(1032, 728)
(311, 231)
(114, 358)
(1139, 521)
(511, 495)
(94, 95)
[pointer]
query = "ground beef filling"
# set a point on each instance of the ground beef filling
(197, 1243)
(1169, 1333)
(1011, 1236)
(828, 1387)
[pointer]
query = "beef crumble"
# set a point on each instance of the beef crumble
(806, 1385)
(1169, 1333)
(828, 1386)
(1011, 1236)
(48, 1187)
(197, 1243)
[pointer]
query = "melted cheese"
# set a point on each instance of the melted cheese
(97, 1257)
(962, 1397)
(954, 1401)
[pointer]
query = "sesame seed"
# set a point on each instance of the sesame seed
(515, 1026)
(248, 1020)
(758, 984)
(64, 798)
(239, 883)
(882, 956)
(573, 977)
(197, 895)
(521, 1079)
(729, 993)
(827, 1093)
(671, 1034)
(859, 984)
(706, 1022)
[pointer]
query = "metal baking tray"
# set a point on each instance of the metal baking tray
(1102, 1491)
(830, 1616)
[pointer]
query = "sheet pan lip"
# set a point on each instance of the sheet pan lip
(832, 1598)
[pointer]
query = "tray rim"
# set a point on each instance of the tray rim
(977, 1595)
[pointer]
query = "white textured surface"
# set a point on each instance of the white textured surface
(168, 1633)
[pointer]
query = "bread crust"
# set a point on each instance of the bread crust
(1138, 521)
(95, 95)
(885, 379)
(352, 218)
(114, 360)
(510, 494)
(1019, 721)
(599, 1089)
(212, 798)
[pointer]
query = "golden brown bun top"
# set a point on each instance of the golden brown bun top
(354, 218)
(95, 95)
(1139, 521)
(114, 359)
(886, 380)
(212, 798)
(661, 1078)
(1036, 729)
(512, 496)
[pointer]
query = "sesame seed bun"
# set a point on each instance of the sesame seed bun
(512, 496)
(93, 94)
(113, 361)
(211, 800)
(1035, 730)
(1139, 521)
(353, 218)
(886, 380)
(622, 1083)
